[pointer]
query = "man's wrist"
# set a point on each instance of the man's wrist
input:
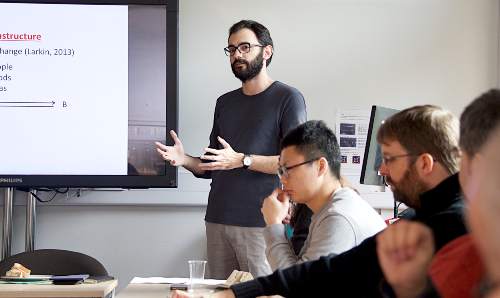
(247, 161)
(183, 160)
(241, 157)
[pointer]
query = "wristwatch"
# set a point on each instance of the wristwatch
(247, 161)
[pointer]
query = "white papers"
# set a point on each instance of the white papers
(352, 131)
(158, 280)
(174, 280)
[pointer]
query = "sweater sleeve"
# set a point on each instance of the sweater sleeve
(279, 252)
(293, 113)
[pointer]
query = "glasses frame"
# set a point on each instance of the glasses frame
(283, 171)
(386, 160)
(227, 50)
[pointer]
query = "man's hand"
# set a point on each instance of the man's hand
(179, 294)
(275, 207)
(174, 154)
(289, 215)
(405, 250)
(221, 294)
(222, 159)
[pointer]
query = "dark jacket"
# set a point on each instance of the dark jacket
(301, 219)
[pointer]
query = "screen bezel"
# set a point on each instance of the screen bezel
(369, 176)
(169, 180)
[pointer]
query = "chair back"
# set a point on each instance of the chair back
(55, 262)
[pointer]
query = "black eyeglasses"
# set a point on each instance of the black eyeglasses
(243, 48)
(284, 171)
(387, 159)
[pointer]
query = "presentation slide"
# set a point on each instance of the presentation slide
(63, 89)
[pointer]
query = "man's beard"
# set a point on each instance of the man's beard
(251, 70)
(409, 189)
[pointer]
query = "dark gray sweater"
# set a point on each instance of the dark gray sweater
(251, 125)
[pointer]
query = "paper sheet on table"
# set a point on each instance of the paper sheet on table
(173, 280)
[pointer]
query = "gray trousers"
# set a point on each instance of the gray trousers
(235, 248)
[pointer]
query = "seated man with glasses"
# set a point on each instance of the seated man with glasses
(309, 170)
(406, 250)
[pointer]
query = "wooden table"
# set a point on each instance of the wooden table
(99, 290)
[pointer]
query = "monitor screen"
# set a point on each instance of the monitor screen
(373, 155)
(86, 88)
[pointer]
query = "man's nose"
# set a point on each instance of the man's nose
(237, 54)
(383, 170)
(283, 181)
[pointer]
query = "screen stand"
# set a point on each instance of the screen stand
(395, 209)
(30, 221)
(7, 222)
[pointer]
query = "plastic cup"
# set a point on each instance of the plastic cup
(196, 271)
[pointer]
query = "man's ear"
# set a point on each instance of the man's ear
(322, 166)
(466, 164)
(267, 52)
(425, 164)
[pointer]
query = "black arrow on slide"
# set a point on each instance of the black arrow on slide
(27, 104)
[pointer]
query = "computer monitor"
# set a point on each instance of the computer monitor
(86, 88)
(373, 156)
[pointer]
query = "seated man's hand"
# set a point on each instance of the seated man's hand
(289, 215)
(179, 294)
(405, 251)
(275, 207)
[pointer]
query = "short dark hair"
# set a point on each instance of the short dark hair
(478, 121)
(425, 129)
(263, 35)
(314, 139)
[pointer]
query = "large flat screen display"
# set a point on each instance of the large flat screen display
(86, 88)
(372, 160)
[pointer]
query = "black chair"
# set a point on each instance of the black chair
(55, 262)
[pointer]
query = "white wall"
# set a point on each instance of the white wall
(339, 53)
(129, 241)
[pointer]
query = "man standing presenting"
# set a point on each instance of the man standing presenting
(242, 159)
